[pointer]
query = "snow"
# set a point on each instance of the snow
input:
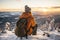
(9, 35)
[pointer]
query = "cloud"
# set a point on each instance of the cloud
(32, 3)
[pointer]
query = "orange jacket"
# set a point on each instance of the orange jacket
(30, 19)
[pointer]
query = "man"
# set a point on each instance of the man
(26, 24)
(31, 24)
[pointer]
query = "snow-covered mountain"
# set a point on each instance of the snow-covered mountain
(12, 17)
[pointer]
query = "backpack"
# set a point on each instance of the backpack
(21, 27)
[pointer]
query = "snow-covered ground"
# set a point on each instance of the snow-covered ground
(11, 36)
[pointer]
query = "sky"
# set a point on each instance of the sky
(17, 4)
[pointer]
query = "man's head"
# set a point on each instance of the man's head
(27, 9)
(26, 6)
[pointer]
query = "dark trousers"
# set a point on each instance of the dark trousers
(34, 30)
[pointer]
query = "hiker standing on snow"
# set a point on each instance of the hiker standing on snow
(31, 22)
(31, 26)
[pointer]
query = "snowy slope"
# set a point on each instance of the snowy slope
(11, 36)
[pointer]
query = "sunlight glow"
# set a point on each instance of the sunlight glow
(45, 9)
